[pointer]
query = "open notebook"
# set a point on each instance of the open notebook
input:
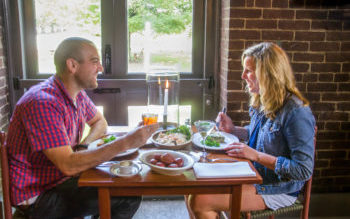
(223, 170)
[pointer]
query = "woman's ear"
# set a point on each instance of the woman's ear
(72, 65)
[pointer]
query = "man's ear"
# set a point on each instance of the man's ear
(72, 65)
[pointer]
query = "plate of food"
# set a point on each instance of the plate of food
(108, 138)
(176, 138)
(215, 141)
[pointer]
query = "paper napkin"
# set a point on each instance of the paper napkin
(223, 170)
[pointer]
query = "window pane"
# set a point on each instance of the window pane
(57, 20)
(160, 35)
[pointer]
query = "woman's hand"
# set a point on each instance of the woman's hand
(242, 150)
(225, 123)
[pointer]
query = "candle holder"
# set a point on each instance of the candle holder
(163, 96)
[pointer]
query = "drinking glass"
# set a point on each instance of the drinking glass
(149, 118)
(204, 127)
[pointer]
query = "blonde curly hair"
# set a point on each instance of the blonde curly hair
(275, 77)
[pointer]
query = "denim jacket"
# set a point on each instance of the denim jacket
(289, 137)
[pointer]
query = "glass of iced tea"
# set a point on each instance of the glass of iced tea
(149, 118)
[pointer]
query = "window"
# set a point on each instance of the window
(134, 37)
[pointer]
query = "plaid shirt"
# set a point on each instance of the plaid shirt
(45, 117)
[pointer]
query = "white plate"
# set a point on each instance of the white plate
(94, 144)
(114, 169)
(229, 138)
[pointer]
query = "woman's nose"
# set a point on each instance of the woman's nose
(243, 76)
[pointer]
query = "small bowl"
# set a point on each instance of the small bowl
(166, 146)
(116, 169)
(148, 155)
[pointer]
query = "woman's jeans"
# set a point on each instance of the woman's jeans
(67, 200)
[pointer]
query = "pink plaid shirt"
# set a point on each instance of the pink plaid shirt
(45, 117)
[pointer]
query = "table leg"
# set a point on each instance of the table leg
(104, 203)
(236, 197)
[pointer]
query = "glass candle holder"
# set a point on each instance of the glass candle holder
(163, 96)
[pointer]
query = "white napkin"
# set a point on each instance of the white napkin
(223, 170)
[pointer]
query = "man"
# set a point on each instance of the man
(44, 132)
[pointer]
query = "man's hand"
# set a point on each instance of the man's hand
(139, 136)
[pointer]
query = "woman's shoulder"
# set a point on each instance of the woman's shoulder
(294, 107)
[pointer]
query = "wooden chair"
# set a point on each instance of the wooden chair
(302, 206)
(5, 178)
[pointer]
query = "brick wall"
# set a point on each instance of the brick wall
(316, 37)
(4, 103)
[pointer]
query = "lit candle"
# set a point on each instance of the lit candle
(165, 114)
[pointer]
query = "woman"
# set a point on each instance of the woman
(279, 137)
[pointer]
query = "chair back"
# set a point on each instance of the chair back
(5, 177)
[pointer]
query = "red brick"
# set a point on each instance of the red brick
(293, 25)
(337, 57)
(237, 3)
(249, 43)
(277, 35)
(250, 3)
(335, 97)
(331, 154)
(236, 45)
(321, 164)
(312, 4)
(311, 14)
(342, 144)
(235, 55)
(328, 77)
(234, 75)
(245, 13)
(343, 106)
(320, 126)
(345, 126)
(326, 25)
(234, 65)
(261, 24)
(234, 85)
(295, 46)
(298, 77)
(340, 77)
(338, 36)
(309, 77)
(343, 180)
(346, 25)
(336, 172)
(234, 105)
(320, 106)
(344, 87)
(312, 57)
(278, 14)
(296, 4)
(325, 67)
(333, 126)
(309, 36)
(336, 15)
(346, 67)
(237, 96)
(301, 86)
(334, 116)
(321, 87)
(324, 46)
(300, 67)
(238, 116)
(236, 23)
(345, 46)
(245, 34)
(279, 3)
(263, 3)
(312, 96)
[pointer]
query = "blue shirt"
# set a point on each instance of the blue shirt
(290, 138)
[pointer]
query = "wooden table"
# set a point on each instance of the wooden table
(151, 183)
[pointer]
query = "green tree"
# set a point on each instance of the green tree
(165, 16)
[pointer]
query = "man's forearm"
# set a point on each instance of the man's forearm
(97, 130)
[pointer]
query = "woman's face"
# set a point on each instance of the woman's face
(249, 75)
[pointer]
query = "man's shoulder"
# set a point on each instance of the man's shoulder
(43, 92)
